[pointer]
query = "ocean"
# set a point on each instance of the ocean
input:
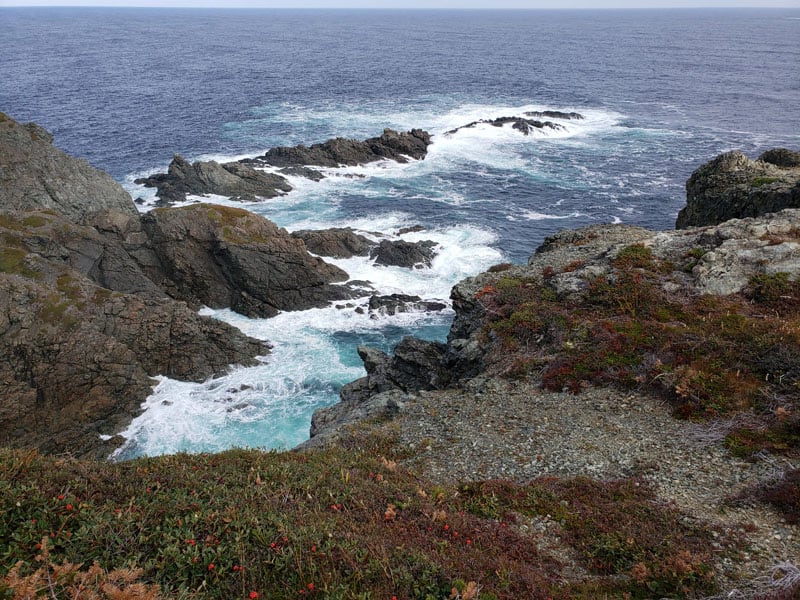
(662, 91)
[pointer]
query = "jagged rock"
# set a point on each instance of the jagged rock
(227, 257)
(400, 303)
(781, 157)
(235, 179)
(35, 175)
(526, 126)
(554, 114)
(306, 172)
(337, 242)
(327, 423)
(340, 151)
(732, 186)
(400, 253)
(416, 365)
(76, 358)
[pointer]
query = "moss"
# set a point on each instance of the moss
(634, 256)
(15, 261)
(762, 181)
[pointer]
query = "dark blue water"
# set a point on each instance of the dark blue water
(663, 91)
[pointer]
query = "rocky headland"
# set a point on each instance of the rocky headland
(619, 417)
(96, 299)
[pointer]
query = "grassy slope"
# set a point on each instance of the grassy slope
(348, 523)
(339, 524)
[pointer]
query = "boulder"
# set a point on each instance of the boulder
(337, 242)
(400, 303)
(235, 179)
(227, 257)
(35, 175)
(400, 253)
(732, 186)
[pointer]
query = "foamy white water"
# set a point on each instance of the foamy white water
(314, 353)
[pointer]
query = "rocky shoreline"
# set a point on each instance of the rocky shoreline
(575, 364)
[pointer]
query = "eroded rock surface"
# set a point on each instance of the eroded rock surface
(34, 175)
(732, 186)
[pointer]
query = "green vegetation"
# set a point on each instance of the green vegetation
(345, 523)
(762, 181)
(709, 355)
(14, 261)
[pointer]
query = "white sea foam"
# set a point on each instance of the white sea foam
(270, 405)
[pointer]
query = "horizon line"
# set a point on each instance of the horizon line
(397, 8)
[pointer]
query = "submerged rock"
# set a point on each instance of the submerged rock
(555, 114)
(732, 186)
(400, 303)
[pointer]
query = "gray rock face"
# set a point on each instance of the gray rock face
(341, 151)
(76, 357)
(234, 179)
(36, 175)
(228, 257)
(732, 187)
(336, 242)
(400, 253)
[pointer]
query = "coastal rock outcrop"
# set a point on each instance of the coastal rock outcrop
(719, 260)
(76, 358)
(526, 126)
(338, 152)
(400, 253)
(732, 186)
(35, 175)
(93, 297)
(337, 242)
(242, 180)
(234, 179)
(228, 257)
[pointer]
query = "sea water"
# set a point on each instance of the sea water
(662, 91)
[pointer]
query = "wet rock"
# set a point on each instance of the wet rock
(400, 253)
(235, 179)
(335, 242)
(526, 126)
(227, 257)
(400, 303)
(341, 151)
(555, 114)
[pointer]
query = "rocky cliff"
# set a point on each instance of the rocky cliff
(548, 320)
(732, 186)
(95, 300)
(35, 174)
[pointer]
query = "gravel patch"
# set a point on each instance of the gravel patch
(500, 429)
